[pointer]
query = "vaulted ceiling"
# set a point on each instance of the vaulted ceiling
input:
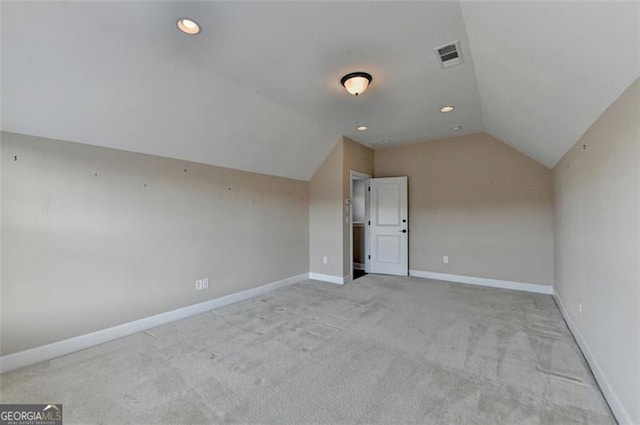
(259, 88)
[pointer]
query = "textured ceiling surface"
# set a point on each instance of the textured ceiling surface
(259, 88)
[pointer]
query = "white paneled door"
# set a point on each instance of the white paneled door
(389, 226)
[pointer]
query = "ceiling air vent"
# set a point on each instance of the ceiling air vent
(381, 143)
(449, 55)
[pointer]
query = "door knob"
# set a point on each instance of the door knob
(404, 230)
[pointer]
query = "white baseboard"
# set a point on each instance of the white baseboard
(483, 281)
(329, 278)
(614, 402)
(60, 348)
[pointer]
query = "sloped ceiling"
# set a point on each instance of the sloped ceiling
(547, 70)
(120, 75)
(259, 88)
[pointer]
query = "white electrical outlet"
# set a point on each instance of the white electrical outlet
(198, 285)
(580, 309)
(205, 283)
(445, 259)
(325, 260)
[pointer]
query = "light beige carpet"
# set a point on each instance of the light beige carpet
(378, 350)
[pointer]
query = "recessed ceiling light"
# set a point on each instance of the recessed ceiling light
(188, 26)
(362, 128)
(456, 128)
(447, 108)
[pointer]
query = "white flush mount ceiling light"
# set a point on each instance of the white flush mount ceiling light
(356, 82)
(362, 128)
(447, 108)
(188, 26)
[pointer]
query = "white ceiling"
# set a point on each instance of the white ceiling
(547, 70)
(259, 88)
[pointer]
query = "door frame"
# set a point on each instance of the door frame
(357, 175)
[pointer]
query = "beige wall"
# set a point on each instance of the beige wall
(325, 214)
(83, 252)
(473, 198)
(597, 243)
(356, 158)
(329, 189)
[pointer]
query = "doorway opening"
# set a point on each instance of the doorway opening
(359, 217)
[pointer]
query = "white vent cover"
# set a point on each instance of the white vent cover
(449, 54)
(381, 143)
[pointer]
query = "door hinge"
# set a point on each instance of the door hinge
(369, 188)
(369, 257)
(369, 222)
